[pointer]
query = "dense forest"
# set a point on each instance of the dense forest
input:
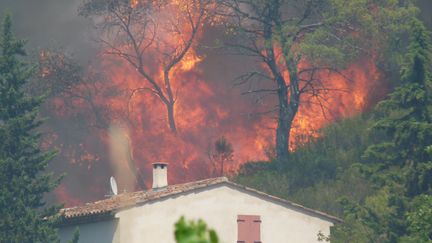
(326, 103)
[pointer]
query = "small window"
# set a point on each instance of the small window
(249, 229)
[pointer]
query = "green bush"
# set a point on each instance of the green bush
(194, 232)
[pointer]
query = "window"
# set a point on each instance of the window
(249, 229)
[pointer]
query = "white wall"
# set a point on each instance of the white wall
(219, 207)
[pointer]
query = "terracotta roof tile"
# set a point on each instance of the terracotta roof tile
(126, 200)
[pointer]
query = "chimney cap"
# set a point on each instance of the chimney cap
(162, 164)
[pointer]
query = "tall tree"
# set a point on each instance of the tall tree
(154, 37)
(405, 116)
(297, 40)
(23, 180)
(400, 166)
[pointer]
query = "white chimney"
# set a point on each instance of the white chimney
(160, 173)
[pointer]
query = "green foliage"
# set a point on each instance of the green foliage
(300, 38)
(399, 167)
(23, 182)
(270, 181)
(320, 171)
(406, 118)
(349, 184)
(194, 232)
(420, 220)
(380, 167)
(349, 29)
(75, 237)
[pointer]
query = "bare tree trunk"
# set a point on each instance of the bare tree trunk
(287, 98)
(169, 95)
(122, 22)
(284, 123)
(288, 108)
(288, 104)
(222, 167)
(171, 119)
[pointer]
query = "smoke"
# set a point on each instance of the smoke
(426, 9)
(101, 154)
(52, 23)
(121, 159)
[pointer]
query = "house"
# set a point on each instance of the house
(237, 213)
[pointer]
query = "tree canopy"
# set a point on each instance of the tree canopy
(298, 41)
(378, 165)
(400, 167)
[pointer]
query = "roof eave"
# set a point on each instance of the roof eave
(107, 214)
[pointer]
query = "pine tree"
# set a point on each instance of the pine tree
(400, 166)
(23, 182)
(406, 118)
(405, 115)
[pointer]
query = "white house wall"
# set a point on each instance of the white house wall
(219, 207)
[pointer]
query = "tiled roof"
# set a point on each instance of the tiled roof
(126, 200)
(108, 207)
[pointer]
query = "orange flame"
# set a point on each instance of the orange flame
(205, 111)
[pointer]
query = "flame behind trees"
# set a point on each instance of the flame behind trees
(299, 41)
(68, 84)
(155, 38)
(205, 106)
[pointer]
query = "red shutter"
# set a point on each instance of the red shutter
(249, 229)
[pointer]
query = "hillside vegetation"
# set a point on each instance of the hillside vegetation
(375, 170)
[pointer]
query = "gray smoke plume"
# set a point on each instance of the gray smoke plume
(56, 22)
(51, 23)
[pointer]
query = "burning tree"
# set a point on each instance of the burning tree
(78, 93)
(64, 79)
(155, 38)
(298, 43)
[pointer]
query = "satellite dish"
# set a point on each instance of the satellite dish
(113, 184)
